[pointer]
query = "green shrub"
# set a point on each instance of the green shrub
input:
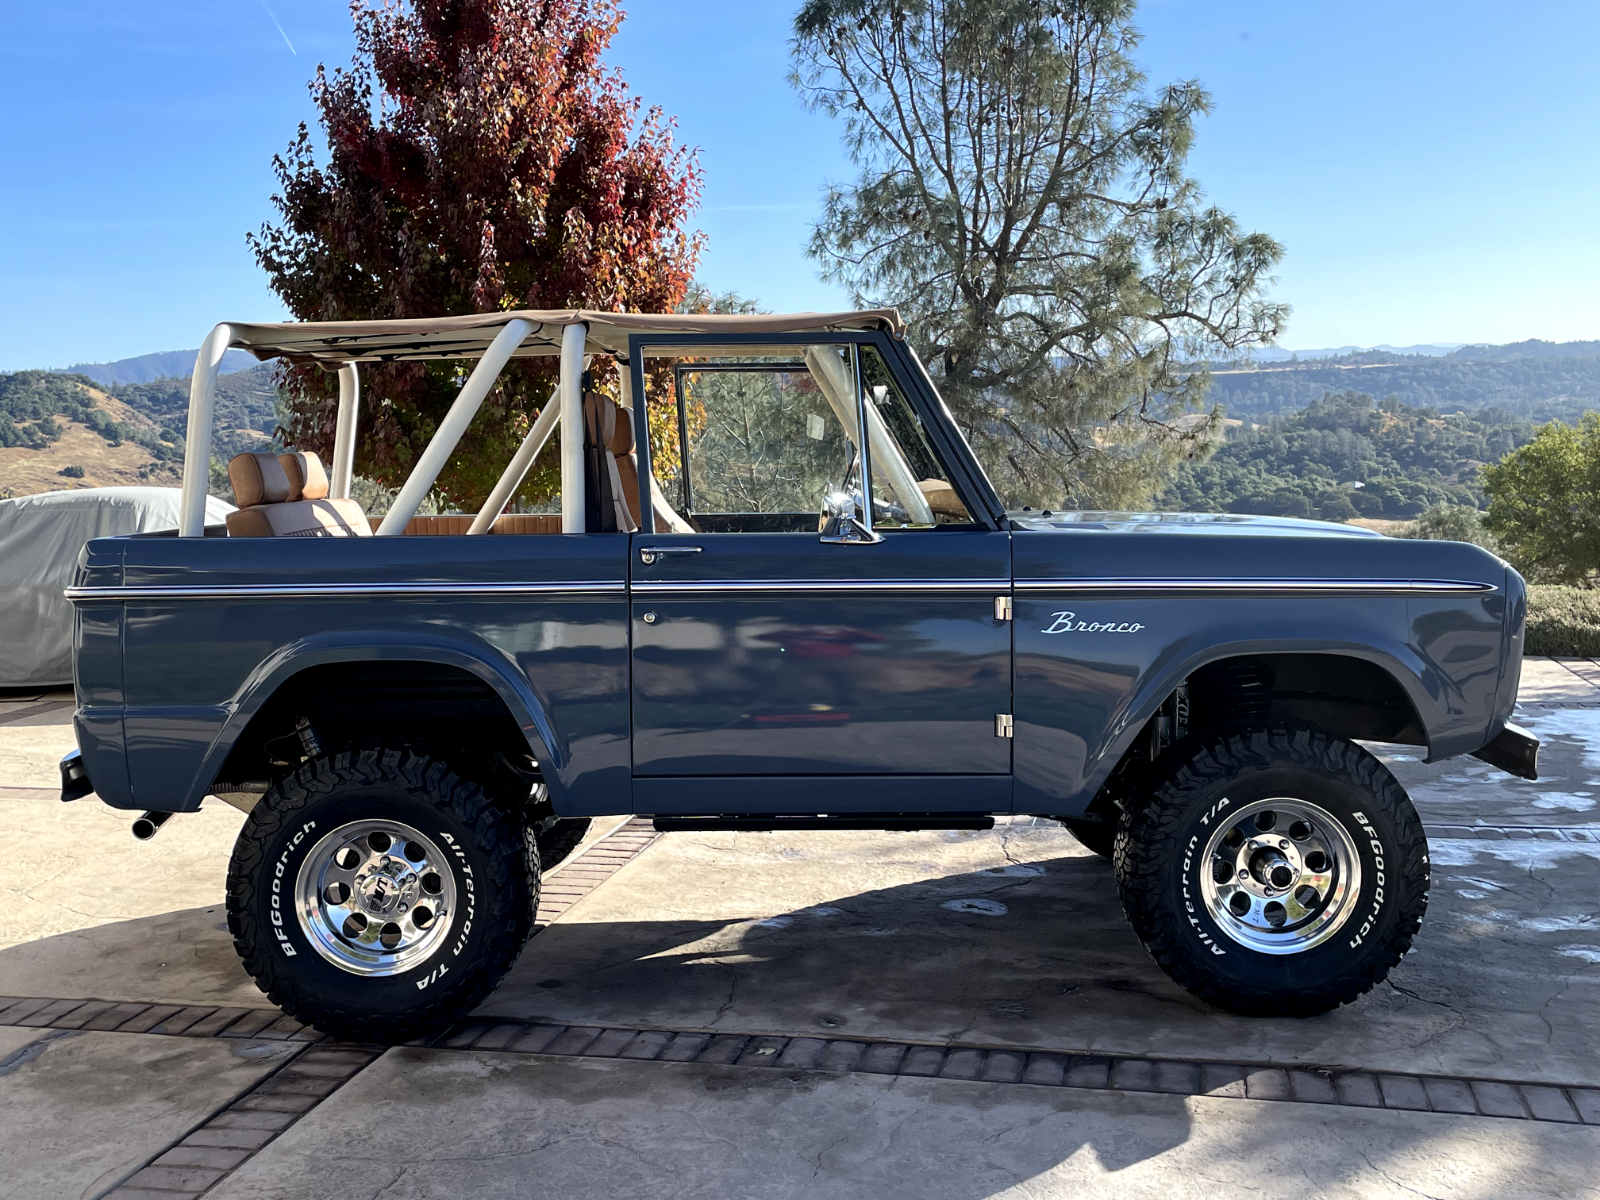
(1563, 621)
(1451, 523)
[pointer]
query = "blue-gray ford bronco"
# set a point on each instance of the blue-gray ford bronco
(797, 604)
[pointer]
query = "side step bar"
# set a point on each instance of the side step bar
(900, 822)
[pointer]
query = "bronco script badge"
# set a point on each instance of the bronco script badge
(1066, 622)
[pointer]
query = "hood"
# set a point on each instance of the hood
(1207, 523)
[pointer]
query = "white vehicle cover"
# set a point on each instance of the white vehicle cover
(40, 539)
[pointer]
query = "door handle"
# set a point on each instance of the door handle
(648, 554)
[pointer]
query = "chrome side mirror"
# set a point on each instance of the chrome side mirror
(841, 522)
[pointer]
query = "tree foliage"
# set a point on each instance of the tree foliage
(480, 157)
(1022, 198)
(1544, 503)
(1451, 523)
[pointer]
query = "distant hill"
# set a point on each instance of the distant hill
(1532, 348)
(60, 431)
(246, 412)
(1536, 381)
(1275, 354)
(1345, 455)
(161, 365)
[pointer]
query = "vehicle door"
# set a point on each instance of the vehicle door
(794, 647)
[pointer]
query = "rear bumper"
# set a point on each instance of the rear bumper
(75, 783)
(1514, 750)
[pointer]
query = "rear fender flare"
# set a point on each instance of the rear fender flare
(493, 668)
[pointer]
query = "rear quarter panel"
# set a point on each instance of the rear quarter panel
(196, 669)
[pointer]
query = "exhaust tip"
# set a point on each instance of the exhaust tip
(147, 826)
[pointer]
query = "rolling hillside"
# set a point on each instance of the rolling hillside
(1535, 381)
(61, 431)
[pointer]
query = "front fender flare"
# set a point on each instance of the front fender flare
(1401, 664)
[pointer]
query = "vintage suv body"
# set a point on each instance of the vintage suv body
(823, 630)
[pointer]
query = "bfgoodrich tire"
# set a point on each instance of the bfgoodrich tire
(1280, 872)
(379, 896)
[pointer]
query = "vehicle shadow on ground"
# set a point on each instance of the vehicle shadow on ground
(1039, 954)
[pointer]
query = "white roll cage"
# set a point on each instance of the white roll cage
(494, 339)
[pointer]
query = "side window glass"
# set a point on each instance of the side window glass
(759, 443)
(910, 486)
(762, 440)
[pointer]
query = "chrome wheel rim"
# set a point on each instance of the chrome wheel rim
(1280, 876)
(375, 897)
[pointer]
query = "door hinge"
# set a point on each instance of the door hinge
(1002, 608)
(1003, 725)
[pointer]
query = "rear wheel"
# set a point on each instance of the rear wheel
(377, 895)
(1280, 872)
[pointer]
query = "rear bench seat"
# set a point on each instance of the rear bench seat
(286, 495)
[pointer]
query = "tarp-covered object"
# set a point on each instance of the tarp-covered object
(40, 539)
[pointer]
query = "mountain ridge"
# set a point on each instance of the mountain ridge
(147, 368)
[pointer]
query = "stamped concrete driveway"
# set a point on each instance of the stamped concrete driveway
(850, 1014)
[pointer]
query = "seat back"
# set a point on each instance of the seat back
(285, 495)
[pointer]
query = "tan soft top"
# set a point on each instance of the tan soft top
(337, 342)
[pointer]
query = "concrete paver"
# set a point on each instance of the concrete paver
(80, 1111)
(424, 1123)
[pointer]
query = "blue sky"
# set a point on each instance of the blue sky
(1431, 167)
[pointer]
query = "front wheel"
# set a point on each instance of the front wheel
(377, 895)
(1280, 872)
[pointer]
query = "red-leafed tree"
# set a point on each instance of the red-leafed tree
(480, 157)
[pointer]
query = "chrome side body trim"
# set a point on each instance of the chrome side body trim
(1238, 587)
(320, 591)
(1354, 587)
(834, 586)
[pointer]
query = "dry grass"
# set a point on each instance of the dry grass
(25, 472)
(1392, 528)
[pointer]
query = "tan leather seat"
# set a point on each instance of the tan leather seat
(621, 444)
(286, 495)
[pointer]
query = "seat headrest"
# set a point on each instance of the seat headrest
(307, 479)
(621, 440)
(257, 478)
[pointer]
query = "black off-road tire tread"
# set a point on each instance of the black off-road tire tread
(507, 922)
(556, 844)
(1147, 842)
(1097, 836)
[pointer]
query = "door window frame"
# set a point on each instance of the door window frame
(967, 476)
